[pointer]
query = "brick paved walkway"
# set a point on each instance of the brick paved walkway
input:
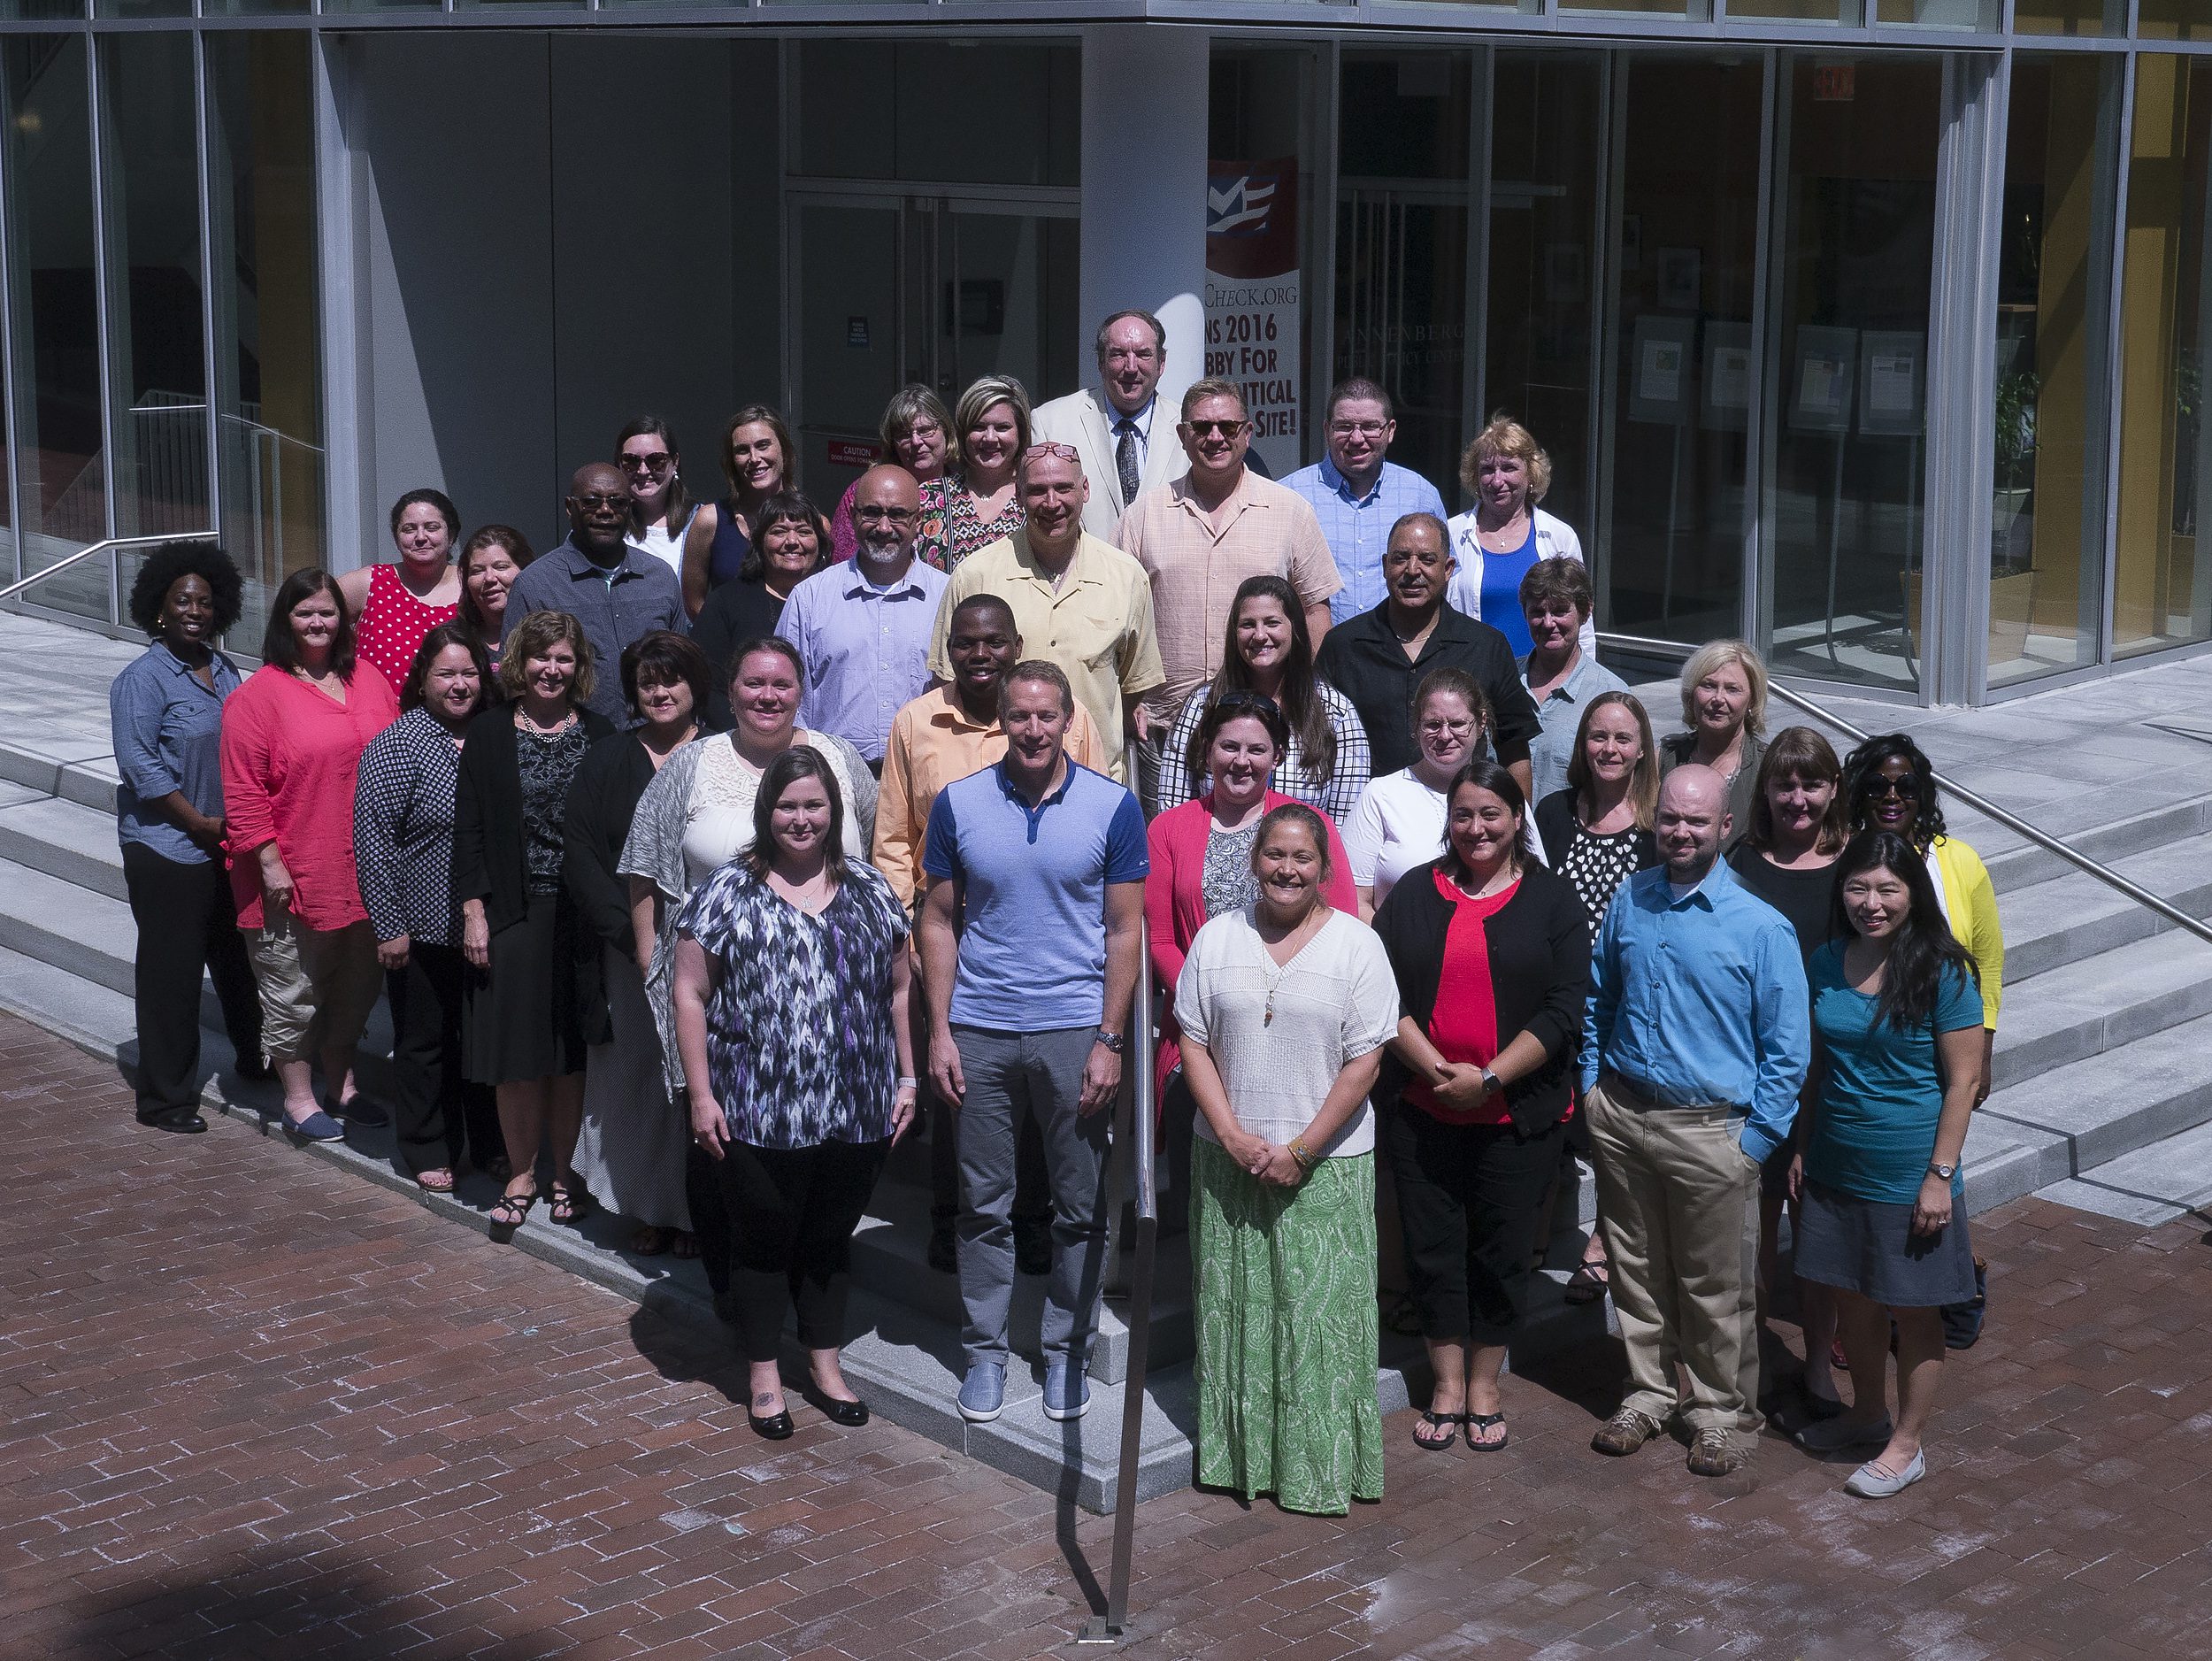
(256, 1408)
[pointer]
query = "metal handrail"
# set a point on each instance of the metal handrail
(1644, 646)
(109, 546)
(1110, 1627)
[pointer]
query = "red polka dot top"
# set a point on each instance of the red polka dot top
(389, 631)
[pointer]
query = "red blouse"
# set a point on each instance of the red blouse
(1465, 1025)
(390, 630)
(291, 756)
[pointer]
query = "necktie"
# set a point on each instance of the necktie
(1125, 460)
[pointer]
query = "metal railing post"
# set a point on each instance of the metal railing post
(1110, 1627)
(108, 547)
(1648, 647)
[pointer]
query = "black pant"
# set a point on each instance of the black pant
(433, 1104)
(1467, 1198)
(186, 922)
(792, 1212)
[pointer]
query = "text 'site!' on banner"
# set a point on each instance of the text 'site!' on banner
(1252, 297)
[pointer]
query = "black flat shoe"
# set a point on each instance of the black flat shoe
(777, 1427)
(849, 1414)
(253, 1067)
(184, 1121)
(361, 1112)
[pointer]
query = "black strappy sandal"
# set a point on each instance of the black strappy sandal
(511, 1212)
(1433, 1419)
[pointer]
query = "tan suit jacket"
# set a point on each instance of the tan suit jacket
(1086, 420)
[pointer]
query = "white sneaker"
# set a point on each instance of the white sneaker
(1872, 1484)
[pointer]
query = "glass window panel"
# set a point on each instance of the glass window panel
(2069, 17)
(42, 10)
(1847, 387)
(910, 110)
(2174, 20)
(1402, 245)
(1696, 11)
(2046, 538)
(259, 8)
(157, 358)
(1940, 14)
(1672, 564)
(54, 296)
(268, 336)
(2163, 591)
(1797, 10)
(143, 8)
(1545, 136)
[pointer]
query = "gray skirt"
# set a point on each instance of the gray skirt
(1867, 1247)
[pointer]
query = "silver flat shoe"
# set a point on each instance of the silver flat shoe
(1870, 1484)
(1833, 1435)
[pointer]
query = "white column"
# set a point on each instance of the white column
(1144, 188)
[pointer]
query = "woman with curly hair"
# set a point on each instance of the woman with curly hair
(166, 711)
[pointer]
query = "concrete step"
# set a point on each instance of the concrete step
(2072, 916)
(89, 934)
(2017, 868)
(2072, 1119)
(80, 770)
(65, 840)
(2149, 1187)
(2098, 1004)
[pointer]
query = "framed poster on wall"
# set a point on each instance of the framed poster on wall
(1724, 402)
(1823, 376)
(1662, 354)
(1893, 383)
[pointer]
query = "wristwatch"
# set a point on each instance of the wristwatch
(1945, 1171)
(1490, 1081)
(1112, 1040)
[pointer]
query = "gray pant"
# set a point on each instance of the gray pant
(1040, 1074)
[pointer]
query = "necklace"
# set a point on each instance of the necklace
(532, 723)
(1295, 938)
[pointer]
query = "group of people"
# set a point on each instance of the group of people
(707, 855)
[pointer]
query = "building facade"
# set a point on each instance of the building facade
(1868, 329)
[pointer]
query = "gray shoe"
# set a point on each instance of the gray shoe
(1870, 1484)
(1715, 1452)
(1833, 1435)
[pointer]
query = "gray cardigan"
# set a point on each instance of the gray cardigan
(655, 850)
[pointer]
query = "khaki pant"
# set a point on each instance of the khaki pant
(1679, 1202)
(317, 986)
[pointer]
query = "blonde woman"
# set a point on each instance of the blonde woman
(982, 502)
(1724, 708)
(1502, 538)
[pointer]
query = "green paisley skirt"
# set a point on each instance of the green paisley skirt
(1287, 1333)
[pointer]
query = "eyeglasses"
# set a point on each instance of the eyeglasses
(1206, 429)
(598, 499)
(1362, 429)
(1051, 452)
(1434, 728)
(871, 512)
(1878, 786)
(655, 462)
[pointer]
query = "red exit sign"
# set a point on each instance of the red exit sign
(852, 452)
(1835, 83)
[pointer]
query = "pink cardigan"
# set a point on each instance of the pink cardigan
(290, 759)
(1175, 906)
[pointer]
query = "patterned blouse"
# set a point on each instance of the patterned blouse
(548, 766)
(965, 534)
(402, 830)
(799, 1042)
(1598, 864)
(1226, 882)
(1336, 797)
(389, 631)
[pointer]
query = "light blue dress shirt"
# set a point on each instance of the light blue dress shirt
(1700, 1000)
(1561, 710)
(1357, 529)
(865, 647)
(167, 730)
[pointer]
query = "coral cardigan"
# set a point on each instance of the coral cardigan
(1175, 907)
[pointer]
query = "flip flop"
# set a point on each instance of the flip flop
(1485, 1422)
(439, 1181)
(1590, 1280)
(1433, 1419)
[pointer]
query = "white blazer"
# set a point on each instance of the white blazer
(1078, 419)
(1555, 539)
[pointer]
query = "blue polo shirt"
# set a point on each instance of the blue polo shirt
(1032, 946)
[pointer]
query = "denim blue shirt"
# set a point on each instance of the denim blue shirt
(1357, 529)
(1700, 1000)
(168, 732)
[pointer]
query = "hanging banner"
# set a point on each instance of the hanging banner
(1253, 322)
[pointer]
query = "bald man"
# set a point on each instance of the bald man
(1694, 1045)
(618, 593)
(863, 627)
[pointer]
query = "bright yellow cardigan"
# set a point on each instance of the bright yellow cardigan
(1971, 899)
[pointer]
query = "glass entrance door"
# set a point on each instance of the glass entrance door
(895, 289)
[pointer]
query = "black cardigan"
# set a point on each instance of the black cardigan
(1556, 829)
(488, 855)
(1539, 973)
(601, 804)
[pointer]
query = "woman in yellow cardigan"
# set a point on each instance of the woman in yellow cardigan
(1890, 786)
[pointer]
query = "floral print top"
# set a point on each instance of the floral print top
(800, 1049)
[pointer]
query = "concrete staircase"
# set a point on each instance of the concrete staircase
(2105, 1049)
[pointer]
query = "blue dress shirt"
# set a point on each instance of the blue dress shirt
(1357, 529)
(1700, 1000)
(168, 733)
(865, 647)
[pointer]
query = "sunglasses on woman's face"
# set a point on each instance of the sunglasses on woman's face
(1890, 787)
(652, 463)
